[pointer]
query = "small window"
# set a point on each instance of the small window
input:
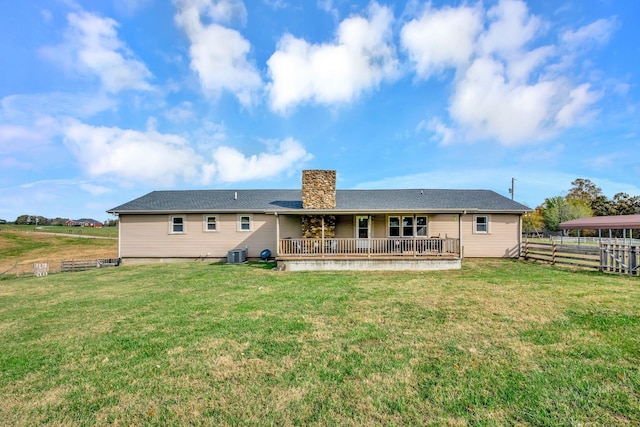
(177, 225)
(482, 224)
(211, 223)
(244, 223)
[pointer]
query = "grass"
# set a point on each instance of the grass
(74, 231)
(25, 248)
(498, 342)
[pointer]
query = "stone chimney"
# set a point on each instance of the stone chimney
(318, 189)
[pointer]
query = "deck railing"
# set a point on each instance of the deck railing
(369, 247)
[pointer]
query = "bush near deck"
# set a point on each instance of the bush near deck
(497, 342)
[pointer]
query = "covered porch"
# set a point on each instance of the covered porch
(358, 241)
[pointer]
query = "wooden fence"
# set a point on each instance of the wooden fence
(43, 268)
(621, 259)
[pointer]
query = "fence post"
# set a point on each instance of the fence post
(633, 261)
(553, 252)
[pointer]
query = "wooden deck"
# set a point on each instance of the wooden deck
(373, 248)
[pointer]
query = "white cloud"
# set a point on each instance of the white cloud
(506, 88)
(599, 32)
(149, 156)
(489, 106)
(219, 54)
(129, 154)
(233, 166)
(441, 38)
(26, 107)
(327, 6)
(19, 138)
(181, 112)
(442, 133)
(575, 109)
(512, 27)
(92, 47)
(362, 57)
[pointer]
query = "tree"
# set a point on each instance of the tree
(585, 190)
(32, 220)
(602, 206)
(623, 204)
(558, 209)
(533, 222)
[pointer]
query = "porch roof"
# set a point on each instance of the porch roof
(347, 201)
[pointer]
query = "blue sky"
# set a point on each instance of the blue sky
(104, 101)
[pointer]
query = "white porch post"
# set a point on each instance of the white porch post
(277, 234)
(460, 236)
(322, 242)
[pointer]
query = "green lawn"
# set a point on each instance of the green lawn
(496, 343)
(81, 231)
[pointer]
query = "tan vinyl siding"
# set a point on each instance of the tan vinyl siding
(290, 226)
(345, 227)
(500, 241)
(379, 226)
(444, 225)
(150, 236)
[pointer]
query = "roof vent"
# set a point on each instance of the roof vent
(235, 196)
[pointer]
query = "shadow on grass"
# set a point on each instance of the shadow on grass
(262, 265)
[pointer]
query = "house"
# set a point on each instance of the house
(83, 222)
(320, 227)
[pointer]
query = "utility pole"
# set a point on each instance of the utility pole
(512, 189)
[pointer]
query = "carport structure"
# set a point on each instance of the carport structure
(614, 257)
(615, 222)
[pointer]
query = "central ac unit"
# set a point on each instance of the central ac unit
(237, 256)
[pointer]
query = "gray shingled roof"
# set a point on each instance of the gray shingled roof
(346, 200)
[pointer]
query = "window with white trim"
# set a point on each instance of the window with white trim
(407, 226)
(481, 224)
(178, 225)
(211, 223)
(244, 222)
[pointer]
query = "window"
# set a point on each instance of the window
(211, 223)
(244, 222)
(421, 226)
(177, 224)
(407, 226)
(481, 224)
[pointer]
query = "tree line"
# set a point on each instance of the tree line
(41, 220)
(584, 199)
